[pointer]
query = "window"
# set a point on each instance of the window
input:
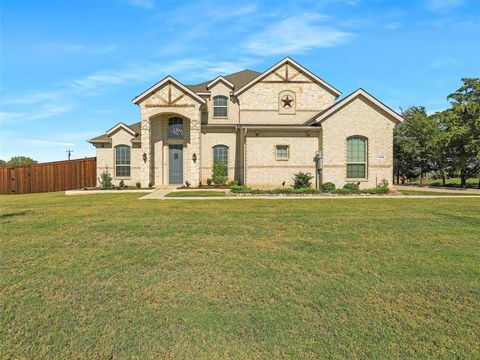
(356, 157)
(122, 161)
(220, 155)
(282, 152)
(175, 128)
(220, 106)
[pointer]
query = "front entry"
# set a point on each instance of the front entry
(175, 164)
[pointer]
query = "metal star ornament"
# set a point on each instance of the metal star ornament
(287, 101)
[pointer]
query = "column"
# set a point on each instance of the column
(146, 168)
(195, 134)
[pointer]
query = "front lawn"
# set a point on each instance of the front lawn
(436, 193)
(108, 276)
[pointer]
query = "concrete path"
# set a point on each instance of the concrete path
(437, 189)
(157, 194)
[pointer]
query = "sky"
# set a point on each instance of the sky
(69, 69)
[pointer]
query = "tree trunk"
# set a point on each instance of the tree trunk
(463, 179)
(443, 179)
(479, 182)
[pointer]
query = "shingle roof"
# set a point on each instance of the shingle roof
(106, 139)
(238, 79)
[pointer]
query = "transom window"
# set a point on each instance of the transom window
(122, 161)
(356, 157)
(282, 152)
(220, 105)
(220, 155)
(175, 128)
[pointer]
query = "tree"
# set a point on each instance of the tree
(462, 123)
(413, 145)
(21, 160)
(3, 162)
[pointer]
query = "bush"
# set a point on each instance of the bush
(233, 183)
(219, 174)
(138, 185)
(105, 180)
(351, 187)
(150, 185)
(378, 190)
(383, 183)
(283, 191)
(341, 191)
(187, 183)
(209, 181)
(121, 184)
(302, 180)
(328, 187)
(308, 191)
(241, 189)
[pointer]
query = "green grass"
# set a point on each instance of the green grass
(199, 193)
(109, 276)
(453, 182)
(437, 193)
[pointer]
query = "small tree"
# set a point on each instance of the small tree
(3, 162)
(219, 174)
(301, 180)
(21, 160)
(105, 180)
(121, 185)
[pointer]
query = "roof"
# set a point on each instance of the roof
(238, 79)
(287, 60)
(136, 128)
(323, 115)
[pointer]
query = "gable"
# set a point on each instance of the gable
(288, 71)
(167, 92)
(362, 96)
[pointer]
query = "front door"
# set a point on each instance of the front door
(175, 164)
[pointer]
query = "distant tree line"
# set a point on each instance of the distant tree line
(447, 142)
(19, 160)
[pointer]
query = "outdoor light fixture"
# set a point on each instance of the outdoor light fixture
(144, 157)
(194, 158)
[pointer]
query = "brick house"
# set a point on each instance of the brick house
(264, 127)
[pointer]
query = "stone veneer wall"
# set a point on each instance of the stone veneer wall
(358, 118)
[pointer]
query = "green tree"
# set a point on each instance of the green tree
(3, 162)
(462, 124)
(21, 160)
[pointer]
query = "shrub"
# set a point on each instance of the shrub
(378, 190)
(308, 191)
(302, 180)
(105, 180)
(209, 181)
(121, 184)
(341, 191)
(219, 174)
(150, 185)
(383, 183)
(328, 187)
(283, 191)
(351, 187)
(138, 185)
(233, 183)
(187, 183)
(241, 189)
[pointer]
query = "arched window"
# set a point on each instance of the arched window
(220, 155)
(220, 106)
(122, 161)
(175, 128)
(357, 157)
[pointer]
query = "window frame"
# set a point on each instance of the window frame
(282, 158)
(224, 161)
(364, 163)
(220, 107)
(172, 136)
(124, 165)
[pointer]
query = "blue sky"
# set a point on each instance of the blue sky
(69, 69)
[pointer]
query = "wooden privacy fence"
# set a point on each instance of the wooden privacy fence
(46, 177)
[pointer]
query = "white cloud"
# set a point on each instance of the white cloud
(36, 113)
(83, 49)
(146, 4)
(41, 142)
(443, 62)
(295, 34)
(443, 4)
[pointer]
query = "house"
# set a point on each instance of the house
(264, 127)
